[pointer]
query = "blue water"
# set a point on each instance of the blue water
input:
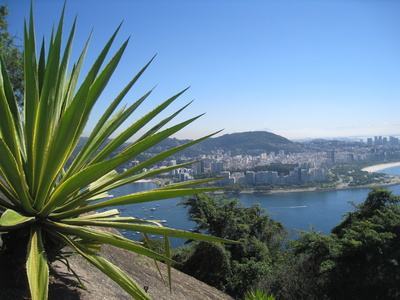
(322, 210)
(169, 210)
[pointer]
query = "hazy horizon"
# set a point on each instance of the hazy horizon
(364, 138)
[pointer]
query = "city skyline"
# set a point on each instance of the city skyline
(300, 70)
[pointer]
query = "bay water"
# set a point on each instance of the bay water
(296, 211)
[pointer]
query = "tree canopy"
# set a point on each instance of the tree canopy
(237, 267)
(11, 53)
(360, 259)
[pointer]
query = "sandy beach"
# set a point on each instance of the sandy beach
(376, 168)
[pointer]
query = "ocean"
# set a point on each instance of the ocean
(296, 211)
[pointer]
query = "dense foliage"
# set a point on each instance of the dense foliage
(353, 174)
(260, 141)
(279, 168)
(12, 56)
(358, 260)
(236, 267)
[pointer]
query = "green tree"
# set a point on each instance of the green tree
(215, 270)
(230, 219)
(12, 56)
(239, 266)
(360, 259)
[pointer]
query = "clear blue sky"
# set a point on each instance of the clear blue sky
(296, 68)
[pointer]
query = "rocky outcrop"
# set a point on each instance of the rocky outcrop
(139, 268)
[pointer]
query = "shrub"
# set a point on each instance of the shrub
(257, 295)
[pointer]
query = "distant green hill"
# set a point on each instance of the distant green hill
(253, 143)
(239, 143)
(253, 140)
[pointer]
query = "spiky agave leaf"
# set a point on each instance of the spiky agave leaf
(44, 195)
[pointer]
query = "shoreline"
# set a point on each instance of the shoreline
(394, 180)
(380, 167)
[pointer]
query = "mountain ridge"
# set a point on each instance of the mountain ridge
(238, 143)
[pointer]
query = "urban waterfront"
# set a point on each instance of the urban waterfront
(322, 210)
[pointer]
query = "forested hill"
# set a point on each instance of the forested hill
(254, 142)
(239, 143)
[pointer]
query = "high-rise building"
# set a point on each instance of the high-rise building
(228, 179)
(250, 177)
(393, 141)
(331, 156)
(217, 167)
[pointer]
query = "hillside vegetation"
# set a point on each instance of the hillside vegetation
(358, 260)
(238, 143)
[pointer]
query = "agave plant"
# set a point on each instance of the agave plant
(51, 195)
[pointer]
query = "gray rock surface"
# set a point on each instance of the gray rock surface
(139, 268)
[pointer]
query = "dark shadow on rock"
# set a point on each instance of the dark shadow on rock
(63, 286)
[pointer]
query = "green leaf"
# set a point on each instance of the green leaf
(102, 180)
(167, 247)
(141, 197)
(121, 179)
(97, 190)
(101, 123)
(155, 159)
(104, 214)
(93, 172)
(10, 129)
(149, 245)
(45, 119)
(9, 193)
(113, 216)
(31, 98)
(70, 124)
(62, 92)
(157, 127)
(100, 135)
(134, 128)
(104, 237)
(150, 229)
(81, 180)
(15, 178)
(37, 267)
(187, 184)
(112, 271)
(11, 219)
